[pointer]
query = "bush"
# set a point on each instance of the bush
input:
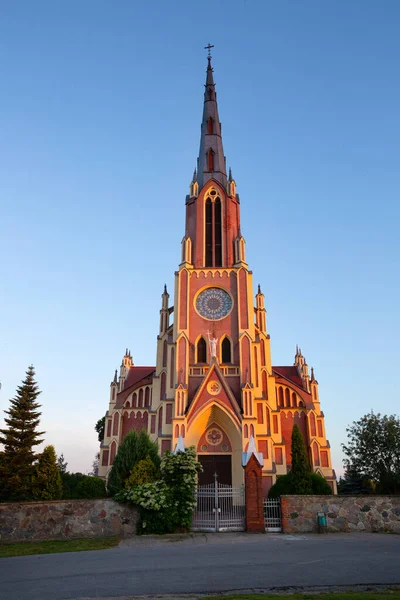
(285, 486)
(78, 485)
(168, 504)
(91, 487)
(320, 487)
(144, 472)
(134, 448)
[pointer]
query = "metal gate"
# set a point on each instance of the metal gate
(272, 514)
(219, 508)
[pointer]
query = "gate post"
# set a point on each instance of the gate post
(254, 497)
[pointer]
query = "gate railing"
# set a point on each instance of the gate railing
(219, 508)
(272, 514)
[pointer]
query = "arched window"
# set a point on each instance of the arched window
(147, 397)
(218, 233)
(264, 384)
(163, 387)
(280, 396)
(172, 370)
(210, 125)
(213, 217)
(183, 431)
(164, 357)
(252, 430)
(246, 431)
(201, 351)
(312, 425)
(210, 160)
(226, 350)
(134, 400)
(287, 397)
(113, 452)
(141, 398)
(116, 424)
(209, 228)
(176, 431)
(294, 403)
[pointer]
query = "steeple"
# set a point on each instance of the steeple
(211, 161)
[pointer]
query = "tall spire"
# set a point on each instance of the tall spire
(211, 161)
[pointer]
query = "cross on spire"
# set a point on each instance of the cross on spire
(209, 49)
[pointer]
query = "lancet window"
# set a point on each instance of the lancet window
(201, 351)
(226, 350)
(213, 230)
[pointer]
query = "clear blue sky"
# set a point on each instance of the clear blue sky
(100, 114)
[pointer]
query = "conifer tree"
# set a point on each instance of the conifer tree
(46, 482)
(19, 439)
(300, 472)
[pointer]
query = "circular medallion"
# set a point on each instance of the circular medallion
(214, 436)
(203, 448)
(213, 387)
(214, 304)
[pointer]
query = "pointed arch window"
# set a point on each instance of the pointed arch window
(226, 350)
(213, 230)
(201, 351)
(210, 157)
(210, 125)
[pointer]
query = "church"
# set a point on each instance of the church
(213, 384)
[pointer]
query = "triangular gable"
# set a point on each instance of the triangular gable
(214, 389)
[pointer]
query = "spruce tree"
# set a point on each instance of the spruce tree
(19, 439)
(46, 481)
(300, 472)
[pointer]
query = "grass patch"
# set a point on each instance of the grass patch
(53, 546)
(384, 595)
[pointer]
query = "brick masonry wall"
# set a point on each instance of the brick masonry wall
(66, 519)
(343, 513)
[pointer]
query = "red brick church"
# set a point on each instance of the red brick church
(214, 384)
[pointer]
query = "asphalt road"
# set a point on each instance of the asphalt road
(205, 564)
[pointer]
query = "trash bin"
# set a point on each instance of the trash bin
(321, 521)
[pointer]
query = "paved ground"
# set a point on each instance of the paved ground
(204, 563)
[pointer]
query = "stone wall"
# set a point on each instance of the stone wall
(66, 519)
(343, 513)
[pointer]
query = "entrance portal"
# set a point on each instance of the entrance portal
(220, 464)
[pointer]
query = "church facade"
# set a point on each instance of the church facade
(214, 384)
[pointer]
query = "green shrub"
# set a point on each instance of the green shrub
(320, 487)
(283, 486)
(167, 504)
(91, 487)
(134, 448)
(144, 472)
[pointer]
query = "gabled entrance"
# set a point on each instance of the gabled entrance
(215, 465)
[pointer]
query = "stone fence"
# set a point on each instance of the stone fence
(65, 520)
(343, 513)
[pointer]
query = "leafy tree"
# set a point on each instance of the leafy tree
(373, 452)
(100, 428)
(300, 472)
(95, 465)
(46, 481)
(61, 464)
(19, 439)
(133, 449)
